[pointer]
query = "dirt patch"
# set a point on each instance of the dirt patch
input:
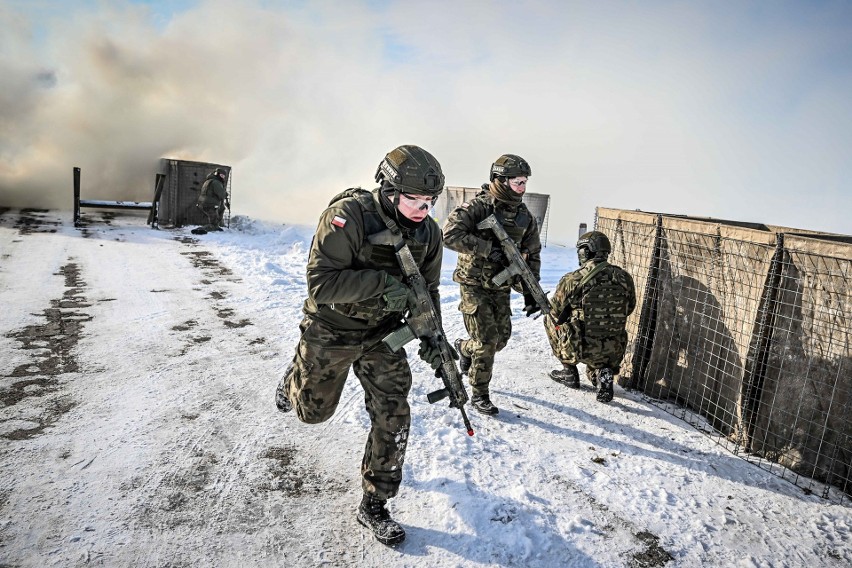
(292, 478)
(185, 326)
(51, 345)
(207, 263)
(181, 496)
(653, 555)
(53, 342)
(31, 221)
(53, 411)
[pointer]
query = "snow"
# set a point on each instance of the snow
(139, 429)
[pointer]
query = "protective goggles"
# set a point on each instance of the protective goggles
(518, 181)
(419, 201)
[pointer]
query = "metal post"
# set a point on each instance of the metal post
(76, 196)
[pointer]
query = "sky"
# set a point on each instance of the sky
(146, 435)
(738, 111)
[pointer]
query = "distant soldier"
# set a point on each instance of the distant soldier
(485, 305)
(590, 309)
(356, 297)
(213, 199)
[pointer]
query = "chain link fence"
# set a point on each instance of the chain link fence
(743, 331)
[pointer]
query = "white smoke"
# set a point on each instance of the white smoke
(681, 109)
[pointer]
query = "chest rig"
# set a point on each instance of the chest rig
(515, 221)
(376, 253)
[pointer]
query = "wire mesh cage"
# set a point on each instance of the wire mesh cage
(743, 332)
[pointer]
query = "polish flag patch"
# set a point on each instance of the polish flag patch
(338, 221)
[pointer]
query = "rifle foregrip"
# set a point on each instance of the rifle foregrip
(437, 395)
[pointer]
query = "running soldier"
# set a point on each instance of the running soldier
(590, 310)
(355, 299)
(484, 305)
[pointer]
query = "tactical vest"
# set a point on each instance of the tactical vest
(376, 253)
(515, 222)
(603, 305)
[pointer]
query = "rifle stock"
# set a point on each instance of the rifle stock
(517, 265)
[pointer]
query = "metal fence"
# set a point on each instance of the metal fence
(453, 196)
(743, 331)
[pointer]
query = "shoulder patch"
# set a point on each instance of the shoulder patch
(338, 221)
(466, 204)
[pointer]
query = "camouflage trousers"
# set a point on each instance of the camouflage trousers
(315, 382)
(214, 214)
(571, 347)
(488, 320)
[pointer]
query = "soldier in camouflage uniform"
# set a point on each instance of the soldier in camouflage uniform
(213, 199)
(484, 305)
(590, 309)
(356, 298)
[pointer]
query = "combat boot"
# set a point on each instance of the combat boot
(464, 360)
(373, 514)
(568, 376)
(482, 403)
(605, 379)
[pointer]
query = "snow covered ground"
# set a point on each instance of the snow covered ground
(138, 429)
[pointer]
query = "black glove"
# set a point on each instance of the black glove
(396, 295)
(530, 305)
(564, 315)
(496, 255)
(432, 353)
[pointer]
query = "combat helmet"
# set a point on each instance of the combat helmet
(220, 172)
(593, 245)
(510, 165)
(411, 169)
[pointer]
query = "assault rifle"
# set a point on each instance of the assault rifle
(517, 265)
(424, 323)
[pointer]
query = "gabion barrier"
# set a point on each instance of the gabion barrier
(743, 331)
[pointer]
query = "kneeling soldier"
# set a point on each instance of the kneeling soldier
(590, 309)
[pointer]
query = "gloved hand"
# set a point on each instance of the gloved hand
(564, 315)
(432, 353)
(496, 255)
(530, 305)
(396, 295)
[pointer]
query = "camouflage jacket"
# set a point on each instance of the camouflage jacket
(346, 272)
(212, 191)
(474, 245)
